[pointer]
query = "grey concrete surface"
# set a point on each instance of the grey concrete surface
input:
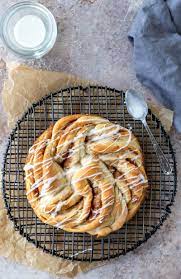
(92, 43)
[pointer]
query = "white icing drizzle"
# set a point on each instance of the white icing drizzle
(39, 145)
(81, 252)
(37, 184)
(76, 149)
(87, 177)
(116, 141)
(47, 182)
(128, 171)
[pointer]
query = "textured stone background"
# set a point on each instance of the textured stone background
(92, 43)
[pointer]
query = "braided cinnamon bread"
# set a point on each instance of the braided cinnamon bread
(85, 174)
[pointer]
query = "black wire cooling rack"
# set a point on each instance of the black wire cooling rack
(108, 103)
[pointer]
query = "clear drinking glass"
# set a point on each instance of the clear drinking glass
(14, 14)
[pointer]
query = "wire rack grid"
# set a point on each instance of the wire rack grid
(108, 103)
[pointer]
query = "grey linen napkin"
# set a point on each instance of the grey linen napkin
(156, 36)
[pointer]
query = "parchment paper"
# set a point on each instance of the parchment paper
(26, 85)
(23, 87)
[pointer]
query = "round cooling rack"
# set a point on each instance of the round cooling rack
(108, 103)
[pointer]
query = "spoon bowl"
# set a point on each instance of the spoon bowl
(136, 105)
(138, 109)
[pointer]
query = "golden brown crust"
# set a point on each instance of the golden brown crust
(86, 174)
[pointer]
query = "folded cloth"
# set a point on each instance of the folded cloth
(156, 36)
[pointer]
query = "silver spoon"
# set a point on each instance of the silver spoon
(138, 108)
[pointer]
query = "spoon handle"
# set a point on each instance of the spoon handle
(164, 163)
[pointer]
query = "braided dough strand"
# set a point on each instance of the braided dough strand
(85, 174)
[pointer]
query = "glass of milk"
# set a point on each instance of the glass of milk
(28, 29)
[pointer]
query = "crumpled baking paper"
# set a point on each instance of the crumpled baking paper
(23, 87)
